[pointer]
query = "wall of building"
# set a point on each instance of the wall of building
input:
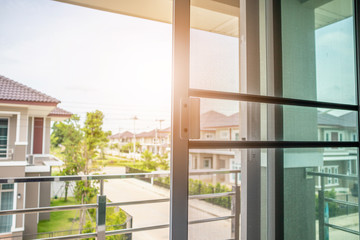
(32, 201)
(45, 191)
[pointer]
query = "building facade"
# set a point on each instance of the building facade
(25, 123)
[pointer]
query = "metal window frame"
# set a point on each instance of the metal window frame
(179, 163)
(357, 70)
(276, 176)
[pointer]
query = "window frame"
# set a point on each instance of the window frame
(13, 190)
(7, 141)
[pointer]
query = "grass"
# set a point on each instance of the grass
(60, 220)
(63, 220)
(119, 162)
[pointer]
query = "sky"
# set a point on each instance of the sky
(91, 59)
(121, 65)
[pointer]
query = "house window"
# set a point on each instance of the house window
(4, 129)
(209, 136)
(207, 162)
(331, 170)
(235, 165)
(222, 163)
(334, 136)
(353, 137)
(237, 137)
(224, 134)
(6, 203)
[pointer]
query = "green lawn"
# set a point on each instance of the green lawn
(60, 221)
(118, 162)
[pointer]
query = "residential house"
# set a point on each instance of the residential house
(338, 126)
(25, 122)
(116, 141)
(156, 141)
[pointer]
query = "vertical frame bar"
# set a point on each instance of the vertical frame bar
(357, 69)
(278, 91)
(179, 147)
(250, 81)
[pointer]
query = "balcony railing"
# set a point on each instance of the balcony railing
(322, 200)
(102, 204)
(40, 159)
(6, 152)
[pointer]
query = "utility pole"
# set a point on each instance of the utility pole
(134, 135)
(157, 143)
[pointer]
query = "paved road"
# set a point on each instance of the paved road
(158, 213)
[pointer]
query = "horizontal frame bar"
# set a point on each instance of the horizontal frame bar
(107, 176)
(201, 144)
(268, 99)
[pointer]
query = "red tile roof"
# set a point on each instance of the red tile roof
(13, 91)
(126, 134)
(214, 119)
(59, 112)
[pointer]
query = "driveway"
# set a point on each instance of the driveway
(125, 190)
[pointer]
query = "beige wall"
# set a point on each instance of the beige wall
(32, 195)
(45, 189)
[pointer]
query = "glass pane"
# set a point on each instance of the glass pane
(320, 187)
(7, 199)
(220, 120)
(318, 50)
(209, 183)
(7, 186)
(214, 45)
(3, 137)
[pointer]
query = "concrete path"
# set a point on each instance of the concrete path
(158, 213)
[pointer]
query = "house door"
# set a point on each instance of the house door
(38, 135)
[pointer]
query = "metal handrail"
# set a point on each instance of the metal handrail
(347, 203)
(323, 199)
(342, 229)
(139, 229)
(333, 175)
(112, 204)
(101, 206)
(105, 176)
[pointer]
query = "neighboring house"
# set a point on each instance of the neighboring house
(25, 121)
(156, 141)
(118, 140)
(217, 126)
(333, 126)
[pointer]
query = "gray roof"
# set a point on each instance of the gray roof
(346, 120)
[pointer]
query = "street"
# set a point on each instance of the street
(125, 190)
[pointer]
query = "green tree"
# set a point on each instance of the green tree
(68, 134)
(163, 162)
(148, 162)
(129, 147)
(94, 138)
